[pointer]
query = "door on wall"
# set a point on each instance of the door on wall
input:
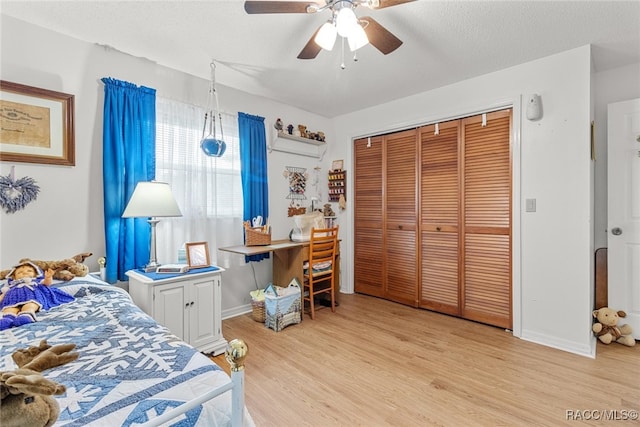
(486, 202)
(367, 206)
(623, 214)
(401, 224)
(439, 213)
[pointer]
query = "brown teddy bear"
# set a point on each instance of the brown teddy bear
(607, 330)
(26, 396)
(65, 269)
(328, 211)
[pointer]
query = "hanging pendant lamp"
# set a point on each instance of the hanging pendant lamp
(210, 144)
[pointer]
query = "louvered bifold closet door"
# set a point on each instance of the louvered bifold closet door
(400, 195)
(368, 208)
(440, 195)
(486, 275)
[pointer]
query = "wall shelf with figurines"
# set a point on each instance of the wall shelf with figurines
(287, 140)
(300, 139)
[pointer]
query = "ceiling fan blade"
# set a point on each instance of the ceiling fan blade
(252, 7)
(380, 37)
(381, 4)
(311, 49)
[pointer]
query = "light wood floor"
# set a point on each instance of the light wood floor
(377, 363)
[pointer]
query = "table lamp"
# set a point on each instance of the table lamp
(152, 200)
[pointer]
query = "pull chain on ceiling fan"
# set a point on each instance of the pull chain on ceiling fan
(343, 22)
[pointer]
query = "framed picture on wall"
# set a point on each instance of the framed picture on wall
(37, 125)
(197, 255)
(337, 165)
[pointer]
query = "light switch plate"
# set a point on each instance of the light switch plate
(530, 205)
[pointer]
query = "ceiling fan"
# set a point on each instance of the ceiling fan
(343, 22)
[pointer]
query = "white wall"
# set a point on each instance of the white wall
(67, 217)
(553, 279)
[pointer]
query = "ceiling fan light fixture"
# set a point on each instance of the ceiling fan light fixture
(345, 21)
(326, 36)
(357, 38)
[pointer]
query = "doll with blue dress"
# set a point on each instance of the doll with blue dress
(28, 291)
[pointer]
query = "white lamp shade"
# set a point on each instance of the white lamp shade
(326, 36)
(152, 199)
(345, 21)
(357, 38)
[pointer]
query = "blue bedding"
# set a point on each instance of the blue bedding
(130, 368)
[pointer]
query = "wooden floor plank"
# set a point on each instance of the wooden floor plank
(378, 363)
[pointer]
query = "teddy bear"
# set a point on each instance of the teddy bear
(65, 269)
(26, 396)
(328, 211)
(607, 330)
(303, 130)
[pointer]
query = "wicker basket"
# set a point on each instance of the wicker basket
(255, 236)
(257, 311)
(293, 211)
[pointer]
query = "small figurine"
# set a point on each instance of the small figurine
(278, 125)
(290, 129)
(28, 291)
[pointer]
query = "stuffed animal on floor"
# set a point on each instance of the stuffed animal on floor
(27, 396)
(607, 330)
(65, 269)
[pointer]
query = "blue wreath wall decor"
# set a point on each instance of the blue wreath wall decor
(15, 195)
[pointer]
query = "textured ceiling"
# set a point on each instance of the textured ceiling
(444, 42)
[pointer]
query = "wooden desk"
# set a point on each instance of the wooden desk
(288, 259)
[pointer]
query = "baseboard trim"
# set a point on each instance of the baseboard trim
(564, 345)
(236, 311)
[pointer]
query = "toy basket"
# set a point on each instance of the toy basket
(256, 236)
(283, 306)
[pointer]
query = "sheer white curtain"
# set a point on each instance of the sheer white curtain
(207, 189)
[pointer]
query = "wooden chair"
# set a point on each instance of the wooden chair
(322, 254)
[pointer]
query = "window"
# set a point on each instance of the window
(207, 189)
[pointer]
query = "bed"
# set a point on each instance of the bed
(131, 370)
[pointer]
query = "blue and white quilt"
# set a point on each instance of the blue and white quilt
(130, 368)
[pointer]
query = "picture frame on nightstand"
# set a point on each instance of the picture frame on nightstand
(197, 255)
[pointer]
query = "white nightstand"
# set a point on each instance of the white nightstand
(189, 305)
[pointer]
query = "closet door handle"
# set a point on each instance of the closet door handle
(399, 227)
(438, 229)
